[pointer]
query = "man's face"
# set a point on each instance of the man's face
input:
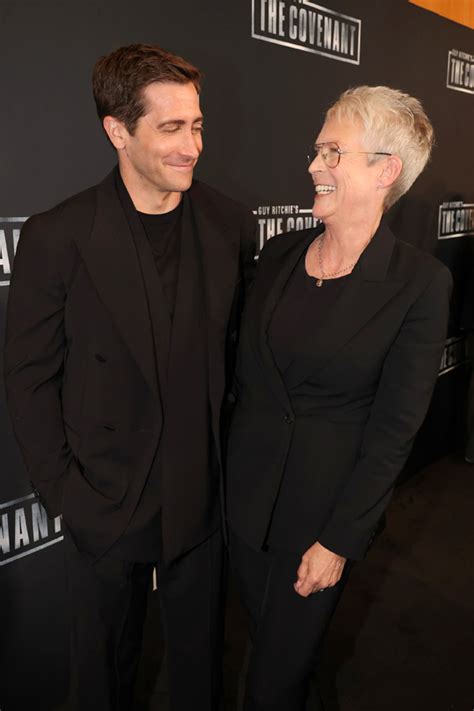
(167, 141)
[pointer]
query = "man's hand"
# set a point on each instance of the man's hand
(320, 569)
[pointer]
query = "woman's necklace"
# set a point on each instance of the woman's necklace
(320, 281)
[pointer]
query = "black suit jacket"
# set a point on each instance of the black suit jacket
(80, 369)
(322, 468)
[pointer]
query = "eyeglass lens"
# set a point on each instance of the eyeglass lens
(329, 152)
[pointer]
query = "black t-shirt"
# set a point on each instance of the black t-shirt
(163, 232)
(299, 314)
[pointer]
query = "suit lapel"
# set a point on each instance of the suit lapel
(220, 259)
(219, 255)
(366, 292)
(278, 271)
(111, 259)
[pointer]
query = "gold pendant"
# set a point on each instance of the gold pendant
(319, 282)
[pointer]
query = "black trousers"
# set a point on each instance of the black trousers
(286, 629)
(107, 601)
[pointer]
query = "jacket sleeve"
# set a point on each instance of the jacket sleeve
(35, 349)
(403, 395)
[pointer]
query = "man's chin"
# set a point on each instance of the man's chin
(183, 184)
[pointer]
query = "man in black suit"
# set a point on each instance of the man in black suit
(123, 310)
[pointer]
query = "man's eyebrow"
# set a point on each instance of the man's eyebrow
(179, 122)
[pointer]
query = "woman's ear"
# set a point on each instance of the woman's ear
(392, 167)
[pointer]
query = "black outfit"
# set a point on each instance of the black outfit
(116, 363)
(300, 311)
(286, 629)
(163, 233)
(315, 447)
(107, 614)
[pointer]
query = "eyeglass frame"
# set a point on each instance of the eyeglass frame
(340, 152)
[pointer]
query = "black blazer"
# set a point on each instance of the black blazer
(302, 470)
(80, 369)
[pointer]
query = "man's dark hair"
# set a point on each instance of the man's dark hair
(119, 79)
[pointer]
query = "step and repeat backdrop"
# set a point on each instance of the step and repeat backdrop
(271, 69)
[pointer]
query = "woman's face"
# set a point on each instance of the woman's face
(352, 188)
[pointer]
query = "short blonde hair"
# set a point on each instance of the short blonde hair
(394, 122)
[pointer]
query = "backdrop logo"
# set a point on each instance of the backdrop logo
(456, 219)
(303, 25)
(26, 529)
(275, 219)
(454, 355)
(460, 71)
(10, 228)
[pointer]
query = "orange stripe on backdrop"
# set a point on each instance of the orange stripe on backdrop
(461, 11)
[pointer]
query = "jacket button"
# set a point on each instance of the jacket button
(100, 358)
(289, 418)
(231, 398)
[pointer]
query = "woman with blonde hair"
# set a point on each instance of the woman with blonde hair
(340, 347)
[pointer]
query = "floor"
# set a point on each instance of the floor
(403, 635)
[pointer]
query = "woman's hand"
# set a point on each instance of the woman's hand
(320, 569)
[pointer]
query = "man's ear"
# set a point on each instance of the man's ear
(116, 132)
(392, 167)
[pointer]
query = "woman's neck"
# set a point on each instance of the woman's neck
(345, 240)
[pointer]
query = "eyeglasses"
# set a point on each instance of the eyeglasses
(331, 153)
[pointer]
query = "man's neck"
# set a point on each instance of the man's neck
(146, 198)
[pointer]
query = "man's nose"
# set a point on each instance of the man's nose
(191, 144)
